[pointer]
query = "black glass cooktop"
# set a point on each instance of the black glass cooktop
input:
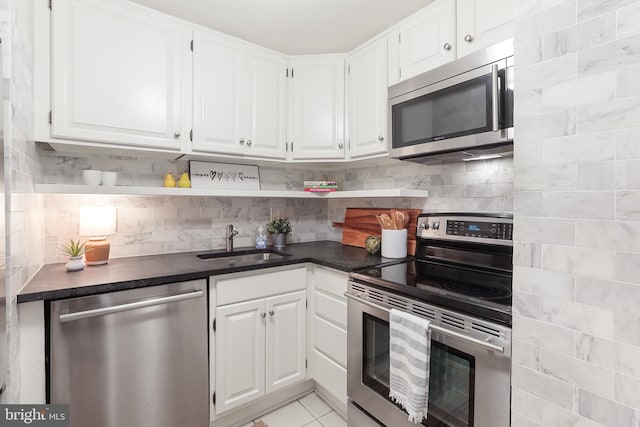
(475, 291)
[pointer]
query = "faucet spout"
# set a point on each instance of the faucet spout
(231, 232)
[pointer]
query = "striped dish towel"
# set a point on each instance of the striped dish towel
(409, 353)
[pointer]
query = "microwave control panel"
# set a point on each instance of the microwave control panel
(481, 229)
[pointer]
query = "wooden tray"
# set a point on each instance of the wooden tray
(359, 223)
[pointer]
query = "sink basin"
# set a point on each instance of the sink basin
(243, 257)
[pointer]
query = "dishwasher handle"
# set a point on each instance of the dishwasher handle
(70, 317)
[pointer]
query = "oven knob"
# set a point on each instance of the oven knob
(422, 226)
(435, 225)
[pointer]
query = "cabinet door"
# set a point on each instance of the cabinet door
(120, 74)
(240, 346)
(427, 39)
(367, 82)
(264, 121)
(286, 344)
(482, 23)
(217, 84)
(318, 108)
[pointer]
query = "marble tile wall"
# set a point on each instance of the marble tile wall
(150, 225)
(576, 345)
(24, 209)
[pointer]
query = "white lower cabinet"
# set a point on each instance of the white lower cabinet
(259, 340)
(285, 344)
(329, 320)
(331, 376)
(240, 354)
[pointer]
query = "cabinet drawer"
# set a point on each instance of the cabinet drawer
(331, 376)
(331, 308)
(260, 284)
(330, 281)
(331, 340)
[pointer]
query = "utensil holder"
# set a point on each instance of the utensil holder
(394, 243)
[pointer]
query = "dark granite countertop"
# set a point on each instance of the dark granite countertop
(54, 282)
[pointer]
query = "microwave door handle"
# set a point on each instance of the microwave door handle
(487, 345)
(494, 98)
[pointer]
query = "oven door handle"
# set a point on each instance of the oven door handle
(487, 345)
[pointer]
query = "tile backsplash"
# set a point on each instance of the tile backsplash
(162, 224)
(149, 225)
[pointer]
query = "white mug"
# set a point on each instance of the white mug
(394, 243)
(109, 178)
(92, 176)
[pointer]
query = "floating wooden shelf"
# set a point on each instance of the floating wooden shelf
(162, 191)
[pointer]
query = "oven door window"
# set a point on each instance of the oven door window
(451, 379)
(462, 109)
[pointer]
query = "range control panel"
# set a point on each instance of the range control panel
(466, 227)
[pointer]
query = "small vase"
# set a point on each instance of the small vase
(280, 240)
(75, 263)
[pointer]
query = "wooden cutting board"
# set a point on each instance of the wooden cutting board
(359, 223)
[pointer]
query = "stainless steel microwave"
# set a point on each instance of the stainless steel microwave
(462, 110)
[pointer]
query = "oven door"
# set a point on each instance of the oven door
(469, 110)
(469, 385)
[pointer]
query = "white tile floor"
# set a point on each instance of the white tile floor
(308, 411)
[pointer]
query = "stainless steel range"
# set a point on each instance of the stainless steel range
(460, 280)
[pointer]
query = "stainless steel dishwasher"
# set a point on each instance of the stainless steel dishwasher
(132, 358)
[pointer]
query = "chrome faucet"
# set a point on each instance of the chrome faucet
(231, 232)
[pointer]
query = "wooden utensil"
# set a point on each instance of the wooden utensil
(387, 222)
(406, 220)
(398, 218)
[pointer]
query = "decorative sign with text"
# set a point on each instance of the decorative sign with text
(224, 176)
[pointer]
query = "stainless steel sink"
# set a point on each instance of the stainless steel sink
(242, 257)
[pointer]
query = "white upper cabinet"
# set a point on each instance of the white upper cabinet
(265, 106)
(217, 76)
(482, 23)
(317, 107)
(367, 99)
(427, 38)
(119, 74)
(239, 97)
(446, 30)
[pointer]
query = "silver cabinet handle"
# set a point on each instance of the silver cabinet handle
(446, 46)
(177, 134)
(494, 98)
(272, 313)
(380, 138)
(341, 145)
(249, 142)
(241, 141)
(263, 315)
(468, 38)
(488, 346)
(64, 318)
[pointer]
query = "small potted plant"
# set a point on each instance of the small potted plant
(74, 249)
(279, 228)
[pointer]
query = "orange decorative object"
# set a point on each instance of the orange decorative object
(97, 251)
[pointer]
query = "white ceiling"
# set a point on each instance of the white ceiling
(294, 26)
